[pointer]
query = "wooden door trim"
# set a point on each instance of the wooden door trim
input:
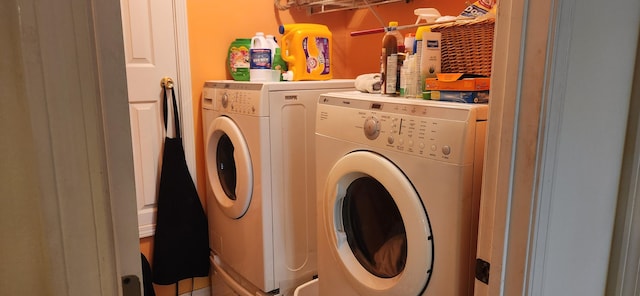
(185, 87)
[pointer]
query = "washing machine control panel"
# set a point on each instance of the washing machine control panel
(420, 128)
(235, 99)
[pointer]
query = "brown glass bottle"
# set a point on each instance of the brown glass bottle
(391, 60)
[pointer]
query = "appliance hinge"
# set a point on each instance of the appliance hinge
(482, 270)
(131, 285)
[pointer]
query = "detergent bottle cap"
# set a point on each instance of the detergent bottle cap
(287, 76)
(421, 30)
(392, 30)
(409, 39)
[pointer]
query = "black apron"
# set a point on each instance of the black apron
(146, 277)
(181, 242)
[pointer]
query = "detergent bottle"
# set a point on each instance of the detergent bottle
(238, 59)
(278, 65)
(260, 59)
(307, 50)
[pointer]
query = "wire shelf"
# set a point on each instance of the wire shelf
(324, 6)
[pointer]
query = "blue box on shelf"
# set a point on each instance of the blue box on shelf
(461, 96)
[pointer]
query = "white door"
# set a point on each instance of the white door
(152, 31)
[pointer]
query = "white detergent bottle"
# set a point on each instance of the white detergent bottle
(260, 58)
(278, 65)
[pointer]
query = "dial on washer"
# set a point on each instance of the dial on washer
(371, 128)
(225, 100)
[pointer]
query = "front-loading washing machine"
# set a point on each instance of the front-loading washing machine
(398, 185)
(259, 153)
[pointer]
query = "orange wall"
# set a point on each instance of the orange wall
(213, 25)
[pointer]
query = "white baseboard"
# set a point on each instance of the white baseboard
(200, 292)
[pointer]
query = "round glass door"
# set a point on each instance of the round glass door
(377, 226)
(229, 169)
(374, 228)
(226, 166)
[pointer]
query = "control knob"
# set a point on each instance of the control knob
(371, 128)
(224, 100)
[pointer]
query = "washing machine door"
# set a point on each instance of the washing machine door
(229, 170)
(377, 226)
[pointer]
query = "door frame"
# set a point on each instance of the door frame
(185, 86)
(91, 230)
(541, 126)
(624, 267)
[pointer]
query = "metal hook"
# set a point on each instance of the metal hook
(166, 82)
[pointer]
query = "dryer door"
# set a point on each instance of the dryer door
(377, 225)
(229, 170)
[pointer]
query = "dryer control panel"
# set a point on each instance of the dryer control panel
(438, 130)
(235, 98)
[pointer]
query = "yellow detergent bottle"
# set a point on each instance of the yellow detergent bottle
(307, 50)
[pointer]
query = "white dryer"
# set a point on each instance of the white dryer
(259, 153)
(398, 194)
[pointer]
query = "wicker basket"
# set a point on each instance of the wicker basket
(467, 46)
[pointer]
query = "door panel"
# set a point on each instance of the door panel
(150, 55)
(147, 136)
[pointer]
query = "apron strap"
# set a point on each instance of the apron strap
(193, 286)
(176, 119)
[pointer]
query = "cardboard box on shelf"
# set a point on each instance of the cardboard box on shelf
(457, 82)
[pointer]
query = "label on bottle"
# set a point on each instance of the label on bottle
(323, 54)
(433, 44)
(238, 57)
(478, 8)
(260, 58)
(391, 74)
(318, 57)
(238, 61)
